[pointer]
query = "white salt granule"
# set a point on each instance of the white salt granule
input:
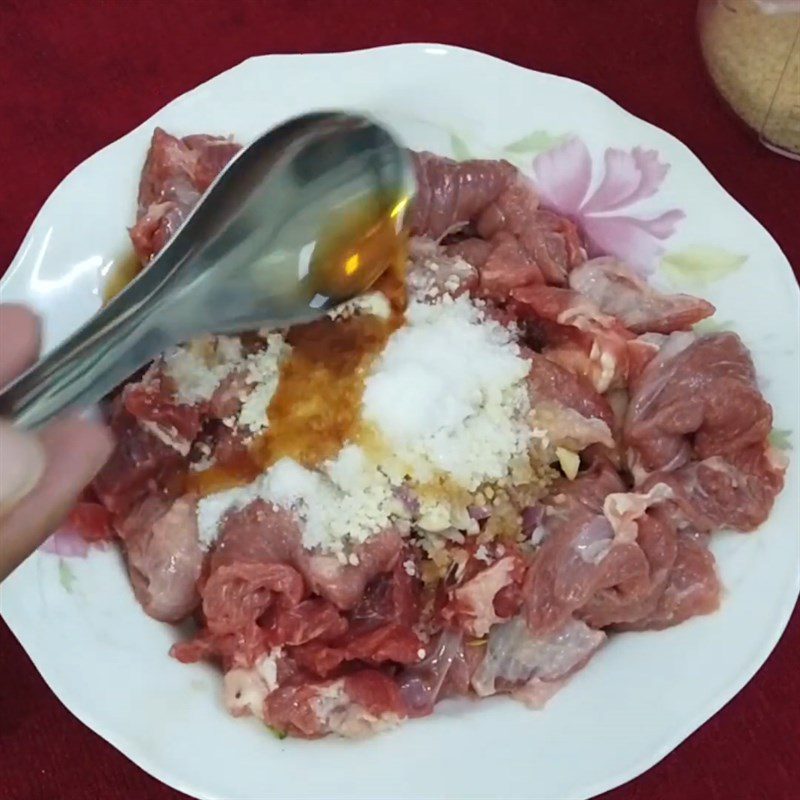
(449, 394)
(349, 500)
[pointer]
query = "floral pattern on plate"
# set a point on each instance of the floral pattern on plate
(563, 176)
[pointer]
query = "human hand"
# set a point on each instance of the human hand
(41, 474)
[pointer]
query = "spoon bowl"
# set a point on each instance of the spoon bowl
(255, 252)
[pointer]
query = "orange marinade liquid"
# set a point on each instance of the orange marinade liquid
(316, 407)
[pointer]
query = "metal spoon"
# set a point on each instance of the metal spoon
(243, 259)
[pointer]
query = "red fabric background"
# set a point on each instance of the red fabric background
(77, 75)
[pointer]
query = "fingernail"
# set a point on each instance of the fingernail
(22, 463)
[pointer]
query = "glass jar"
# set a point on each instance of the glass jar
(752, 51)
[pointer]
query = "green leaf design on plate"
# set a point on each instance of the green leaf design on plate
(534, 143)
(701, 264)
(459, 147)
(66, 576)
(712, 325)
(779, 438)
(275, 732)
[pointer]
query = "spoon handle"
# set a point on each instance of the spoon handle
(90, 363)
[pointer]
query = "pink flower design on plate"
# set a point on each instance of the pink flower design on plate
(66, 542)
(563, 177)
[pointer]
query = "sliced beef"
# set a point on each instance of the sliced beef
(617, 559)
(550, 382)
(697, 424)
(696, 413)
(380, 628)
(139, 464)
(703, 400)
(644, 519)
(164, 556)
(580, 554)
(235, 597)
(258, 534)
(313, 619)
(451, 194)
(574, 333)
(511, 211)
(514, 657)
(543, 251)
(572, 413)
(261, 570)
(175, 175)
(91, 520)
(617, 291)
(143, 487)
(473, 250)
(505, 267)
(344, 584)
(397, 644)
(693, 587)
(510, 240)
(313, 643)
(443, 672)
(718, 492)
(554, 243)
(261, 533)
(150, 401)
(390, 598)
(357, 705)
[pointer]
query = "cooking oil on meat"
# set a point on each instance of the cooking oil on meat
(125, 269)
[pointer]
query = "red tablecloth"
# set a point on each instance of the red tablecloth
(77, 75)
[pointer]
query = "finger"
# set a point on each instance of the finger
(22, 461)
(20, 338)
(75, 449)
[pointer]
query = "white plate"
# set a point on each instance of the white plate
(643, 693)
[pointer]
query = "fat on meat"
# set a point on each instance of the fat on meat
(474, 600)
(576, 334)
(617, 291)
(566, 406)
(515, 656)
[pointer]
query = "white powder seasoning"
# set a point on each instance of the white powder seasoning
(449, 395)
(350, 500)
(212, 508)
(263, 374)
(198, 367)
(347, 501)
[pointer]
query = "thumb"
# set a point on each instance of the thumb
(22, 462)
